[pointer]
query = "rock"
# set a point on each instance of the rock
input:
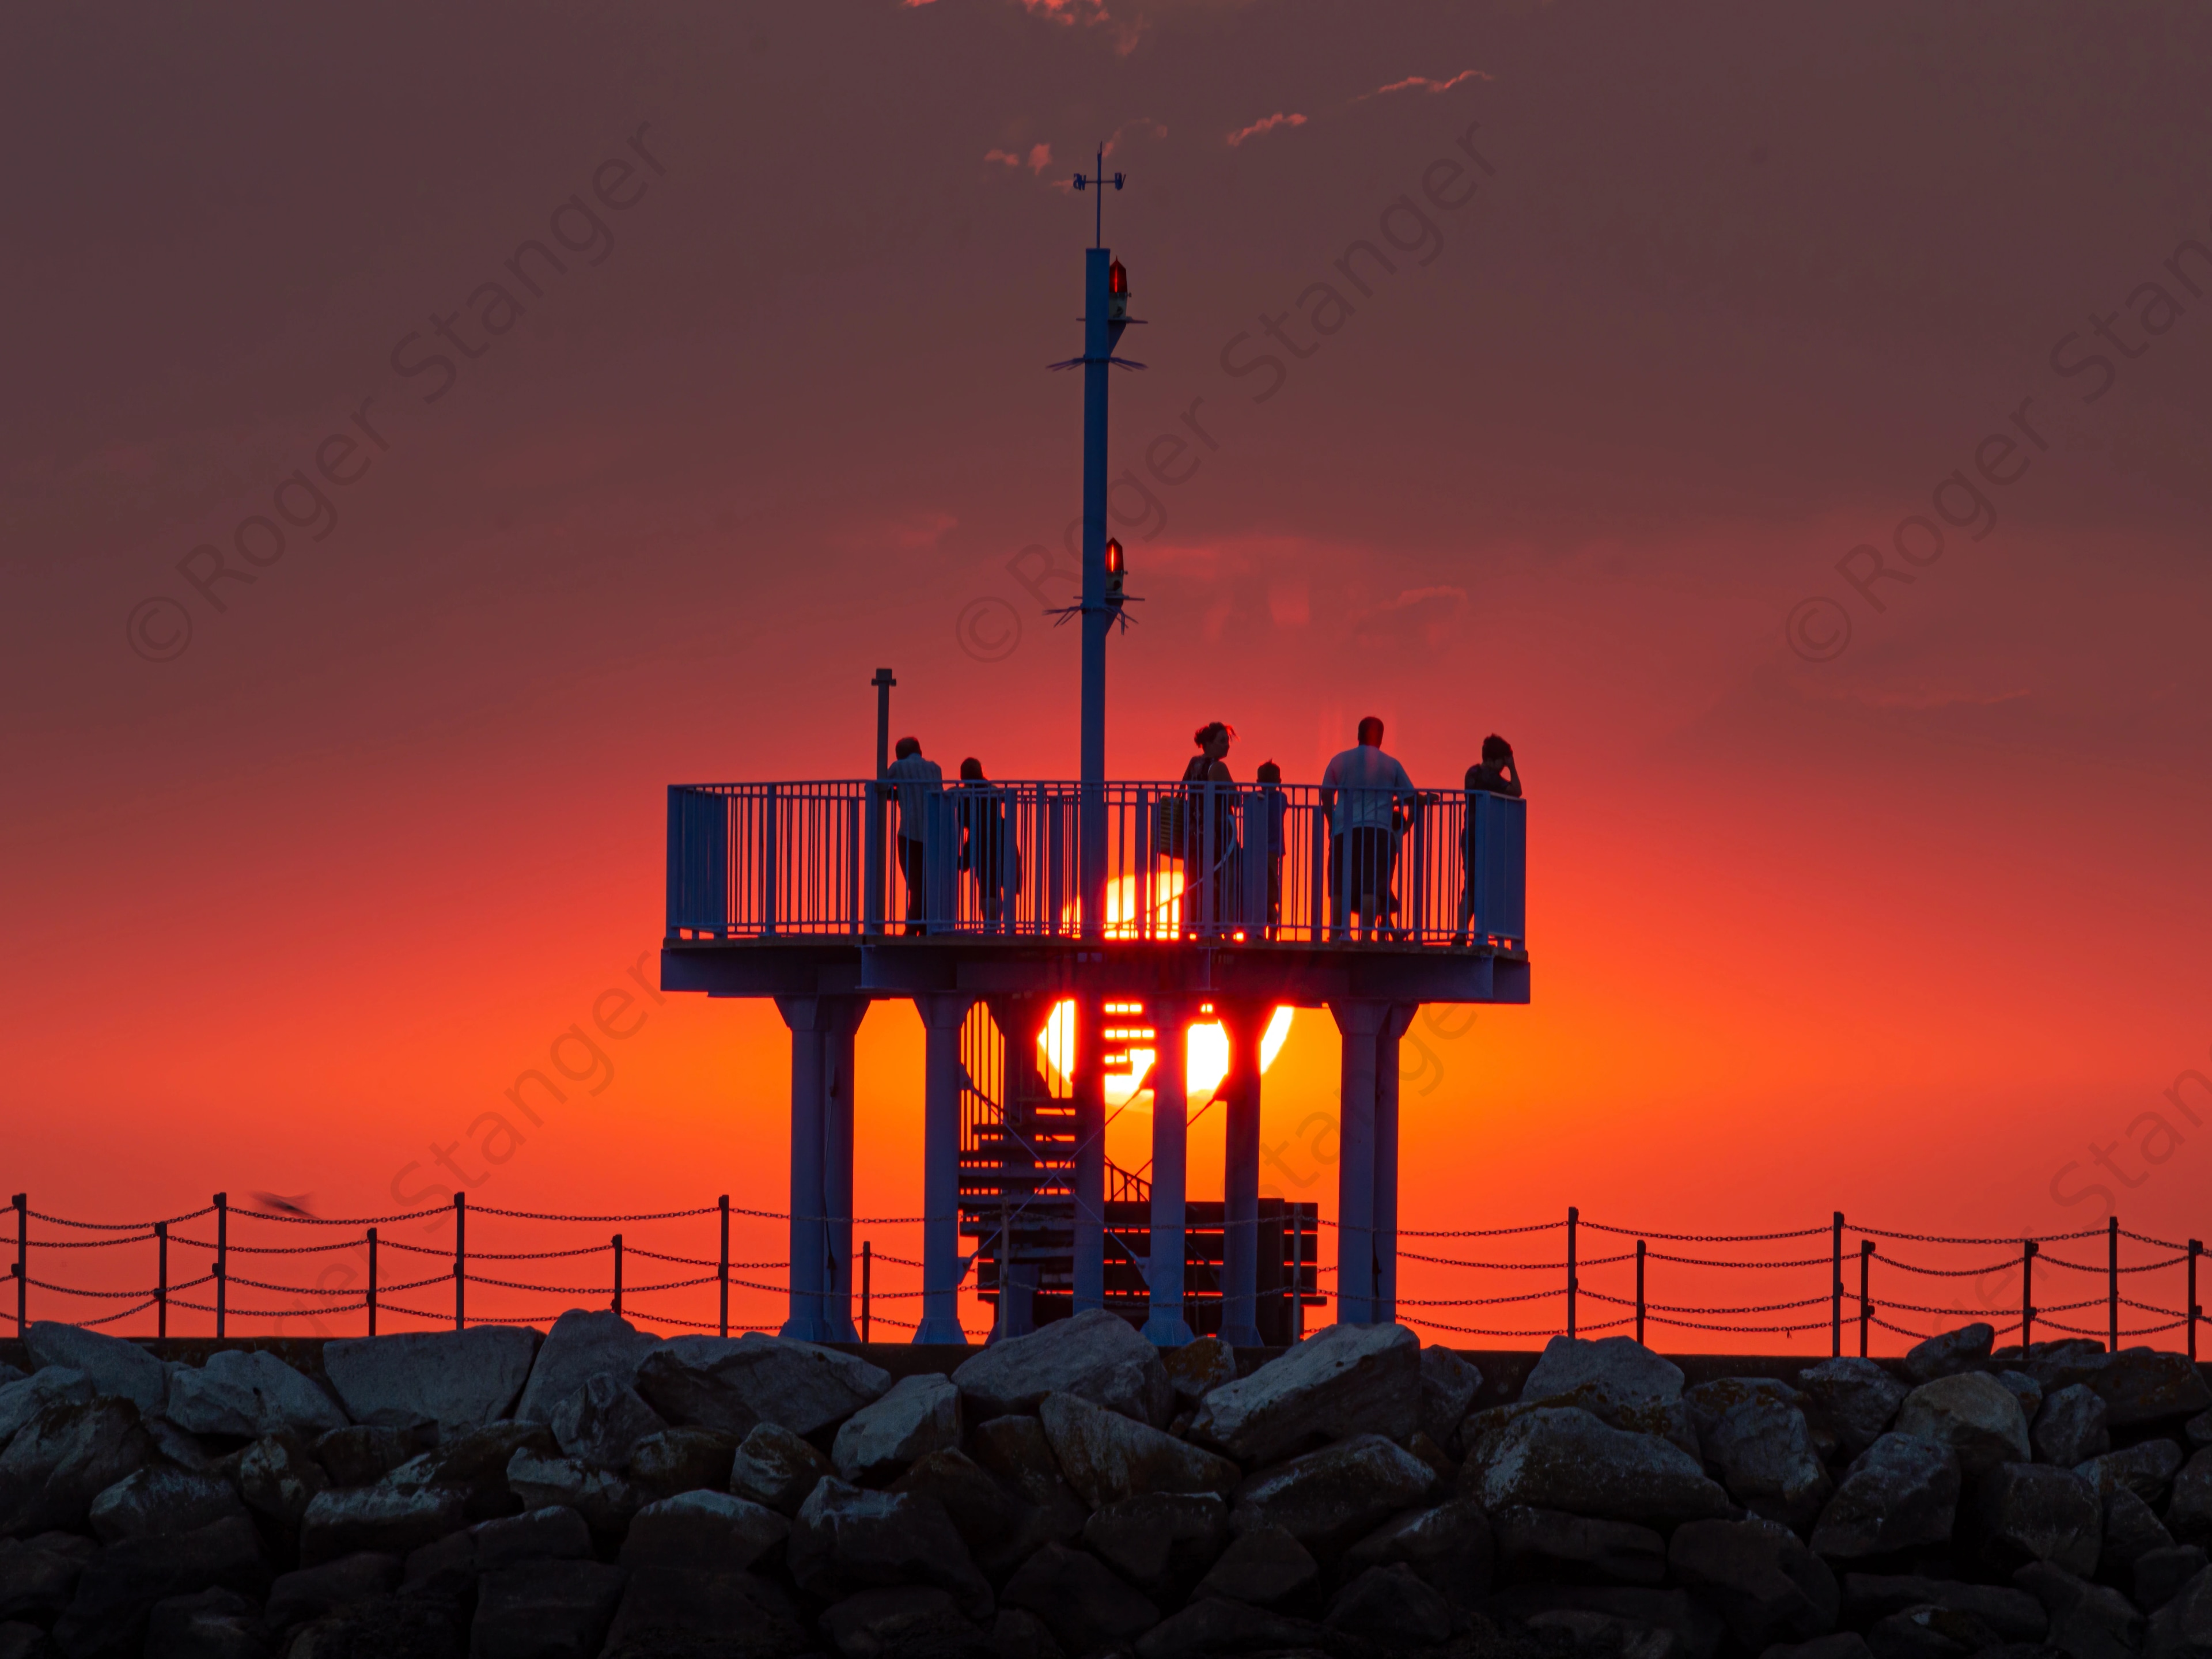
(453, 1563)
(310, 1593)
(1606, 1634)
(383, 1519)
(1348, 1380)
(478, 1462)
(120, 1586)
(1217, 1626)
(1096, 1356)
(2088, 1621)
(982, 1510)
(361, 1456)
(1563, 1458)
(601, 1421)
(704, 1532)
(2013, 1614)
(213, 1624)
(1017, 1633)
(1756, 1575)
(1531, 1540)
(1854, 1397)
(1953, 1353)
(846, 1539)
(1615, 1370)
(185, 1450)
(158, 1499)
(2145, 1469)
(581, 1346)
(2139, 1386)
(2161, 1575)
(1161, 1543)
(278, 1476)
(1262, 1567)
(1930, 1633)
(1106, 1455)
(2044, 1514)
(1327, 1499)
(248, 1392)
(606, 1500)
(1902, 1492)
(907, 1620)
(1972, 1413)
(1448, 1388)
(1434, 1456)
(22, 1641)
(2182, 1629)
(668, 1610)
(22, 1400)
(2132, 1529)
(1078, 1598)
(1391, 1606)
(672, 1461)
(1197, 1369)
(545, 1610)
(458, 1379)
(112, 1364)
(38, 1575)
(1709, 1402)
(1017, 1454)
(2189, 1511)
(731, 1383)
(918, 1415)
(1764, 1450)
(2070, 1428)
(773, 1467)
(1448, 1546)
(2061, 1364)
(2025, 1390)
(1700, 1630)
(63, 1459)
(2198, 1430)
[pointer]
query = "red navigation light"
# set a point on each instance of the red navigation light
(1113, 557)
(1117, 280)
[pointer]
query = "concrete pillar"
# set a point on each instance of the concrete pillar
(1021, 1022)
(1166, 1327)
(809, 1237)
(1089, 1081)
(1386, 1159)
(1356, 1023)
(942, 1015)
(1246, 1022)
(839, 1018)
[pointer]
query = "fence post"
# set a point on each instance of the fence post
(2112, 1280)
(1573, 1216)
(867, 1265)
(1866, 1308)
(1639, 1289)
(22, 1202)
(460, 1261)
(1297, 1309)
(619, 1272)
(160, 1282)
(221, 1260)
(372, 1281)
(2026, 1294)
(725, 1268)
(2195, 1313)
(1836, 1290)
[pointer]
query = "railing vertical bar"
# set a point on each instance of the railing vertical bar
(221, 1260)
(723, 1272)
(769, 850)
(1574, 1216)
(372, 1281)
(460, 1261)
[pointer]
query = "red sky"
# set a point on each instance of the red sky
(1907, 931)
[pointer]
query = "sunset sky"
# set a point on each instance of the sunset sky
(1884, 893)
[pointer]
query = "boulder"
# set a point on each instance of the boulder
(1856, 1398)
(383, 1519)
(672, 1461)
(1106, 1455)
(774, 1468)
(846, 1539)
(983, 1513)
(185, 1450)
(2146, 1469)
(1096, 1356)
(1953, 1353)
(2013, 1614)
(2189, 1510)
(1015, 1453)
(112, 1364)
(2131, 1530)
(1971, 1413)
(1197, 1369)
(453, 1564)
(2044, 1514)
(1448, 1546)
(1764, 1446)
(703, 1532)
(458, 1379)
(360, 1456)
(2140, 1386)
(1327, 1499)
(919, 1414)
(1606, 1634)
(1563, 1458)
(2088, 1621)
(250, 1392)
(2070, 1428)
(1700, 1630)
(545, 1610)
(478, 1463)
(120, 1586)
(63, 1459)
(2198, 1430)
(158, 1499)
(1612, 1371)
(1756, 1575)
(1448, 1388)
(278, 1476)
(2025, 1390)
(668, 1610)
(39, 1575)
(310, 1593)
(1930, 1633)
(408, 1626)
(1709, 1402)
(1262, 1567)
(2182, 1629)
(731, 1384)
(2061, 1364)
(1902, 1493)
(1161, 1543)
(601, 1421)
(2162, 1575)
(1393, 1607)
(1217, 1626)
(909, 1619)
(1434, 1456)
(58, 1385)
(1080, 1599)
(1017, 1633)
(604, 1499)
(211, 1624)
(1532, 1541)
(580, 1345)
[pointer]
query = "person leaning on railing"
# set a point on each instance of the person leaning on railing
(1364, 792)
(1208, 854)
(1497, 775)
(981, 810)
(1271, 804)
(918, 779)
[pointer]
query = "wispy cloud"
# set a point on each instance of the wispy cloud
(1423, 83)
(1278, 119)
(1038, 159)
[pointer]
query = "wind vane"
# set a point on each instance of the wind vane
(1098, 214)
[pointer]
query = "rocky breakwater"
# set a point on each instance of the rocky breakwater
(600, 1491)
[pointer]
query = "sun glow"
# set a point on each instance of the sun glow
(1206, 1050)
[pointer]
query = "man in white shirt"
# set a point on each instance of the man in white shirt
(1362, 792)
(917, 780)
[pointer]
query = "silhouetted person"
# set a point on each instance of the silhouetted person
(1270, 805)
(1496, 775)
(1209, 834)
(919, 780)
(1364, 791)
(985, 853)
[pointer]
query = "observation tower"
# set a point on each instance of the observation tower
(1060, 939)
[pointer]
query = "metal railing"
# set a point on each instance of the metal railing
(1183, 860)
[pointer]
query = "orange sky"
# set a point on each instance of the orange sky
(1912, 933)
